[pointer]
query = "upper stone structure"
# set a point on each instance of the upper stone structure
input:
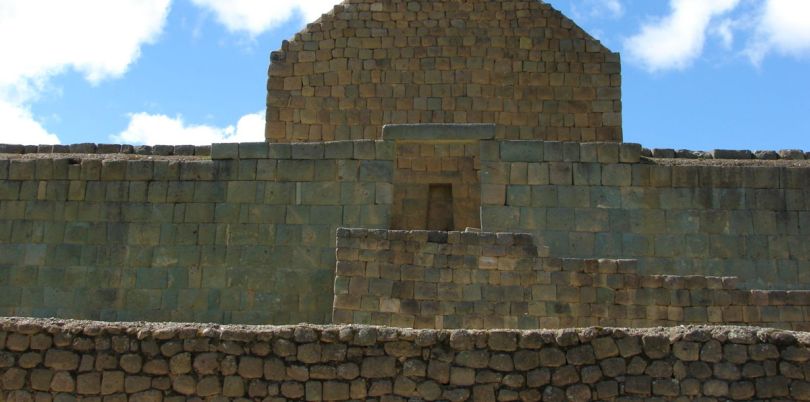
(519, 64)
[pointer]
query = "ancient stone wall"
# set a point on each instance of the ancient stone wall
(44, 360)
(245, 237)
(714, 218)
(519, 64)
(428, 279)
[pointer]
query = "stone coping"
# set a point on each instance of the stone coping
(726, 154)
(438, 132)
(90, 148)
(348, 332)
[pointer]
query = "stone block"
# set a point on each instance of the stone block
(791, 154)
(588, 152)
(732, 154)
(252, 150)
(113, 170)
(553, 151)
(11, 149)
(307, 150)
(364, 150)
(296, 170)
(619, 175)
(184, 150)
(607, 152)
(385, 150)
(225, 151)
(85, 148)
(202, 150)
(663, 153)
(376, 171)
(629, 153)
(571, 152)
(522, 151)
(338, 150)
(163, 150)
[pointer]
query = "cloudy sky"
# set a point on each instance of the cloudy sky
(698, 74)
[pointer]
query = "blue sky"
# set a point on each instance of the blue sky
(697, 74)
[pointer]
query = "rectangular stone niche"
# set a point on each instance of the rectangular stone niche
(436, 184)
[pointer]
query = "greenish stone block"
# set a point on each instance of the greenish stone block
(532, 218)
(375, 216)
(347, 170)
(246, 169)
(151, 278)
(325, 170)
(518, 196)
(262, 214)
(138, 191)
(113, 170)
(317, 235)
(338, 149)
(225, 151)
(297, 214)
(213, 191)
(544, 196)
(319, 193)
(177, 191)
(351, 216)
(22, 169)
(44, 169)
(618, 175)
(537, 174)
(314, 150)
(385, 150)
(376, 171)
(296, 170)
(499, 218)
(9, 190)
(490, 150)
(574, 197)
(4, 169)
(637, 245)
(279, 193)
(607, 152)
(608, 245)
(226, 170)
(571, 151)
(241, 192)
(587, 174)
(561, 173)
(553, 151)
(200, 213)
(29, 190)
(10, 296)
(252, 150)
(588, 152)
(591, 220)
(384, 193)
(669, 245)
(326, 215)
(357, 193)
(364, 150)
(522, 151)
(683, 222)
(266, 169)
(639, 198)
(279, 151)
(629, 153)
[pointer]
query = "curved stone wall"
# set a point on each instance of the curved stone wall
(53, 360)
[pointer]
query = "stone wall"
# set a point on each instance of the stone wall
(245, 237)
(58, 360)
(600, 200)
(519, 64)
(428, 279)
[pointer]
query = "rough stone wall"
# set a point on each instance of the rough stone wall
(598, 200)
(519, 64)
(247, 237)
(428, 279)
(56, 360)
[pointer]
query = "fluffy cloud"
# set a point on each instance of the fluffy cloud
(17, 126)
(675, 41)
(783, 27)
(257, 16)
(42, 38)
(153, 129)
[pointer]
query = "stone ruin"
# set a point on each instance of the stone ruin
(451, 171)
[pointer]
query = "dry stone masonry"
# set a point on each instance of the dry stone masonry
(519, 64)
(431, 279)
(66, 360)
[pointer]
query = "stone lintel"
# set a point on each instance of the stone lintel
(438, 132)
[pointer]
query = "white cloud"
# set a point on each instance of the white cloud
(153, 129)
(783, 27)
(675, 41)
(257, 16)
(40, 39)
(17, 126)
